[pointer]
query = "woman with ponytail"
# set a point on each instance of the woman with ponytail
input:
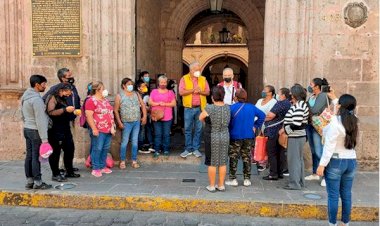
(318, 101)
(338, 161)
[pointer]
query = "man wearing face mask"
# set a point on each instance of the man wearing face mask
(193, 88)
(230, 86)
(65, 76)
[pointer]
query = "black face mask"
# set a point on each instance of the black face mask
(227, 79)
(71, 80)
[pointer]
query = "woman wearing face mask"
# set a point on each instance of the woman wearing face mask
(99, 116)
(265, 104)
(128, 106)
(162, 99)
(59, 135)
(145, 144)
(145, 77)
(338, 161)
(295, 123)
(273, 123)
(317, 102)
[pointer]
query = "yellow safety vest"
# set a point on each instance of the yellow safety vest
(188, 100)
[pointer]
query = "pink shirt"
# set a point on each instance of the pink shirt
(103, 113)
(196, 97)
(167, 97)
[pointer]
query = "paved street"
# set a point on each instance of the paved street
(14, 216)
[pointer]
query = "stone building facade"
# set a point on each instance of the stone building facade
(288, 41)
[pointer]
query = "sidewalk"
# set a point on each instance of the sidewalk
(158, 186)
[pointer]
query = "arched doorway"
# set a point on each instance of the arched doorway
(251, 17)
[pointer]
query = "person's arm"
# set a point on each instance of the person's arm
(260, 118)
(151, 102)
(329, 146)
(116, 109)
(320, 104)
(270, 116)
(205, 92)
(143, 108)
(56, 112)
(173, 102)
(91, 122)
(42, 121)
(182, 90)
(203, 115)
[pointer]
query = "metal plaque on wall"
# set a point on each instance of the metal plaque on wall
(355, 14)
(56, 28)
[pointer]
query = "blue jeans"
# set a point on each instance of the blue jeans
(130, 131)
(145, 134)
(99, 149)
(339, 175)
(316, 147)
(162, 135)
(192, 140)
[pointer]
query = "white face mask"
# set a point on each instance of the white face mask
(278, 97)
(197, 74)
(105, 93)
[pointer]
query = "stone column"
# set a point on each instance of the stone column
(173, 58)
(14, 65)
(109, 29)
(288, 37)
(255, 69)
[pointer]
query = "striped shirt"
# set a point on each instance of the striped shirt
(296, 120)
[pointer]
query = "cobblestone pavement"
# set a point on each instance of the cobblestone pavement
(14, 216)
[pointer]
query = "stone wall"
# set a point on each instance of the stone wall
(108, 54)
(314, 41)
(148, 39)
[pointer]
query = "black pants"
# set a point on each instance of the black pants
(61, 141)
(32, 164)
(276, 157)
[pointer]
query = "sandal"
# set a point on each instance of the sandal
(135, 165)
(122, 165)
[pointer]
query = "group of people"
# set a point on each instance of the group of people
(229, 125)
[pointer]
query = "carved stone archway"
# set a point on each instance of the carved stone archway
(249, 14)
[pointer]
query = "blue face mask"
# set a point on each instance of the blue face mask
(263, 94)
(130, 88)
(146, 79)
(310, 89)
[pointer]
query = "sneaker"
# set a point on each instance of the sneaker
(166, 153)
(142, 151)
(197, 154)
(185, 154)
(285, 173)
(269, 177)
(312, 177)
(221, 188)
(106, 170)
(73, 175)
(29, 186)
(247, 182)
(96, 173)
(151, 150)
(233, 182)
(59, 178)
(42, 186)
(156, 155)
(323, 183)
(261, 168)
(211, 189)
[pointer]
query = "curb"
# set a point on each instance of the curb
(142, 203)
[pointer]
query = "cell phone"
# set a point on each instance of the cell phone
(325, 88)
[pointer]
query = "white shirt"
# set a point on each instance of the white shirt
(229, 93)
(266, 107)
(334, 135)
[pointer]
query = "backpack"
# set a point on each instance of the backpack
(83, 119)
